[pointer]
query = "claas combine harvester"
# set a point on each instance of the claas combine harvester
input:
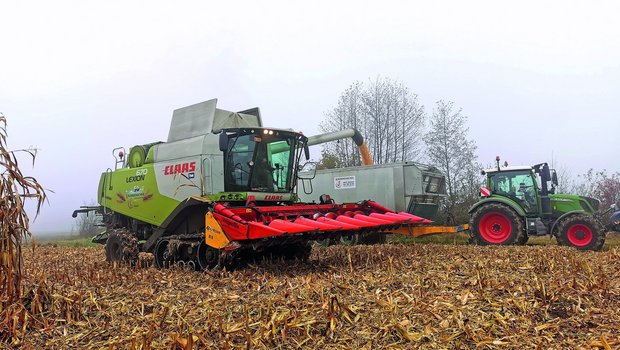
(222, 189)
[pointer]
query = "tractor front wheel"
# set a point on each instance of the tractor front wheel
(581, 232)
(496, 224)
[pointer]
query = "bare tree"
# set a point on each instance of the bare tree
(387, 114)
(566, 182)
(345, 115)
(449, 149)
(600, 185)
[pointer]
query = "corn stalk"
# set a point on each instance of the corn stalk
(14, 222)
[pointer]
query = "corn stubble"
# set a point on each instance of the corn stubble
(360, 297)
(14, 224)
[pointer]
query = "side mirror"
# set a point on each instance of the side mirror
(307, 151)
(554, 178)
(307, 171)
(223, 141)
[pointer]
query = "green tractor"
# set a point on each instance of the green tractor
(515, 206)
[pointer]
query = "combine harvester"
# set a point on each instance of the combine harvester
(223, 188)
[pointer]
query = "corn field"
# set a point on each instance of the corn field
(345, 297)
(14, 223)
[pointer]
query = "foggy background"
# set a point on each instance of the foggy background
(78, 79)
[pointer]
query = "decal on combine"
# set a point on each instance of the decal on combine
(344, 182)
(134, 196)
(136, 191)
(181, 168)
(271, 197)
(214, 235)
(140, 176)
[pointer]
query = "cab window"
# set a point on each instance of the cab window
(518, 186)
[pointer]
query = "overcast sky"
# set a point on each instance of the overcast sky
(78, 78)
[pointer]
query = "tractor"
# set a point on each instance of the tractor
(514, 205)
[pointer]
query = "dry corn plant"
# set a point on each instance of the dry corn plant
(14, 224)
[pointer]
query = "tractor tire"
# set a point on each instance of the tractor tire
(523, 239)
(121, 246)
(496, 224)
(582, 232)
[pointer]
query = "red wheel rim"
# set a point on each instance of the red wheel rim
(495, 227)
(579, 235)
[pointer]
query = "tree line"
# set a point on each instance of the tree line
(396, 128)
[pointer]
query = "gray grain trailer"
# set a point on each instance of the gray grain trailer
(412, 187)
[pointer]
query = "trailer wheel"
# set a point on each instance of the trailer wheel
(496, 224)
(121, 246)
(581, 232)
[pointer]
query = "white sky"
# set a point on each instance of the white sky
(78, 78)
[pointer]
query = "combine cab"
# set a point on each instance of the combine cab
(223, 188)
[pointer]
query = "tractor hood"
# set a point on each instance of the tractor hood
(569, 202)
(595, 203)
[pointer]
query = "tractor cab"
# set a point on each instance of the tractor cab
(522, 186)
(517, 184)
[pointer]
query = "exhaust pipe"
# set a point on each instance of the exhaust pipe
(343, 134)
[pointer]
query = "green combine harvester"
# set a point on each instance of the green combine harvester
(222, 188)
